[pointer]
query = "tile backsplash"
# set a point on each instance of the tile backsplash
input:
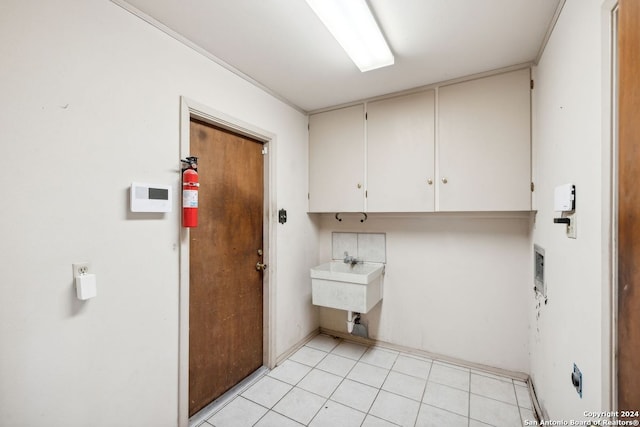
(369, 247)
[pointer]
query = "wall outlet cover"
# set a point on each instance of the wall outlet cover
(80, 268)
(576, 379)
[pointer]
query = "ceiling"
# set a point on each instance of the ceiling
(283, 46)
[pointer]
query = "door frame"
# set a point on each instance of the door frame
(190, 109)
(609, 206)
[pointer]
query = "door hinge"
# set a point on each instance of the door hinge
(532, 84)
(265, 150)
(533, 186)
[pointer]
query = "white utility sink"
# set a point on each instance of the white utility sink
(348, 287)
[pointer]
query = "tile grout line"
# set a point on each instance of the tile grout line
(232, 398)
(276, 412)
(274, 405)
(326, 399)
(517, 403)
(424, 392)
(294, 386)
(494, 399)
(344, 377)
(380, 389)
(390, 370)
(358, 360)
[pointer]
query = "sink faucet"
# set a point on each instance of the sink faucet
(348, 259)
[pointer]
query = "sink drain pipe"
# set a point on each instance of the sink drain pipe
(354, 326)
(351, 320)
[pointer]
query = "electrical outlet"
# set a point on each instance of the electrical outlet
(80, 268)
(576, 379)
(572, 227)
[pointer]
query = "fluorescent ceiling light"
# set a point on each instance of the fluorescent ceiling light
(353, 25)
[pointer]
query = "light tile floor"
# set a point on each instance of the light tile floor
(330, 382)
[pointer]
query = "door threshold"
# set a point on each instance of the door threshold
(213, 407)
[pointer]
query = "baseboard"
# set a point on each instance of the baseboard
(297, 346)
(521, 376)
(541, 414)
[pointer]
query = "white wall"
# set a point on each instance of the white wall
(568, 145)
(455, 284)
(91, 101)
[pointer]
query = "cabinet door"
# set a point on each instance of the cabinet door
(484, 145)
(336, 160)
(400, 153)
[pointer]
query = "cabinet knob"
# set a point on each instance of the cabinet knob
(429, 181)
(359, 185)
(444, 180)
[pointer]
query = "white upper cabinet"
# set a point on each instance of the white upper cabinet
(400, 153)
(484, 144)
(336, 160)
(461, 147)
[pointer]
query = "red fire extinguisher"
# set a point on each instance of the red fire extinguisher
(190, 186)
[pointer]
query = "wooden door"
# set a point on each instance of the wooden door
(401, 153)
(225, 288)
(629, 206)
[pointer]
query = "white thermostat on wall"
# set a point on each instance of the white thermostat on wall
(150, 197)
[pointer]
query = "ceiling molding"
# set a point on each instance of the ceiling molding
(429, 86)
(547, 36)
(173, 34)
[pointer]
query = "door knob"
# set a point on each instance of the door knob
(260, 266)
(444, 180)
(429, 181)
